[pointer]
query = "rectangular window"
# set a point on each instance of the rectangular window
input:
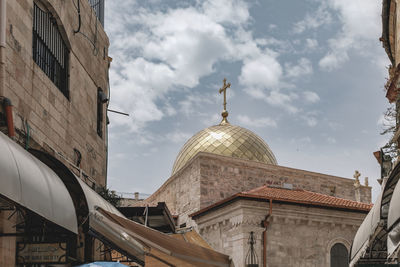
(49, 50)
(101, 98)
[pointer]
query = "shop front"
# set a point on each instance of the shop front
(44, 211)
(51, 217)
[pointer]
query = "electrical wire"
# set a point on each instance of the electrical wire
(95, 51)
(78, 8)
(27, 135)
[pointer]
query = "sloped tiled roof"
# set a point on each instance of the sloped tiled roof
(295, 196)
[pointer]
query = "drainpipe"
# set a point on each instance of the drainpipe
(265, 224)
(7, 105)
(3, 22)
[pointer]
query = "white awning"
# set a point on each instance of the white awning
(28, 182)
(393, 223)
(112, 233)
(94, 200)
(107, 231)
(364, 233)
(164, 248)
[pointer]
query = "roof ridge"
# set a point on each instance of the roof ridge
(317, 193)
(254, 190)
(303, 197)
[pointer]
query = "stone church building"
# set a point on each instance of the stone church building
(226, 183)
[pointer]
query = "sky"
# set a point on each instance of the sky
(307, 76)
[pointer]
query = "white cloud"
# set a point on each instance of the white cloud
(169, 109)
(211, 118)
(178, 137)
(303, 67)
(272, 26)
(256, 122)
(311, 43)
(312, 21)
(337, 55)
(311, 97)
(226, 11)
(361, 20)
(157, 52)
(264, 71)
(277, 98)
(188, 106)
(311, 121)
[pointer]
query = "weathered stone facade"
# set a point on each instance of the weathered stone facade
(209, 178)
(43, 117)
(57, 124)
(297, 235)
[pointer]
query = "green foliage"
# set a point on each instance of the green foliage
(109, 195)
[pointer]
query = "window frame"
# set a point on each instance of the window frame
(100, 112)
(331, 254)
(49, 49)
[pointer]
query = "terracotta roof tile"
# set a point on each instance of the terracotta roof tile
(306, 197)
(296, 196)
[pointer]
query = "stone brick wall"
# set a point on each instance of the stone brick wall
(209, 178)
(181, 192)
(296, 236)
(222, 177)
(57, 124)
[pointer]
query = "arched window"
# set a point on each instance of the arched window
(49, 50)
(339, 256)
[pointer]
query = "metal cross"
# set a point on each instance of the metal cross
(223, 89)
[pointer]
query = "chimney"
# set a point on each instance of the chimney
(136, 195)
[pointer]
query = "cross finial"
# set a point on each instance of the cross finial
(356, 175)
(366, 181)
(224, 112)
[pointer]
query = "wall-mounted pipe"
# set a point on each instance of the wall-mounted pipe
(265, 223)
(7, 105)
(3, 21)
(78, 8)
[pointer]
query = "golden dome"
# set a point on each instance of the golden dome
(226, 140)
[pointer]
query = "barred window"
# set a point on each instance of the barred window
(49, 50)
(98, 7)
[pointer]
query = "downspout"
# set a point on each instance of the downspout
(3, 22)
(7, 106)
(265, 224)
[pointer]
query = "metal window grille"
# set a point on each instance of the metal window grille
(98, 7)
(100, 101)
(251, 257)
(49, 50)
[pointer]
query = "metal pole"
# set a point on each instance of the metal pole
(119, 112)
(266, 223)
